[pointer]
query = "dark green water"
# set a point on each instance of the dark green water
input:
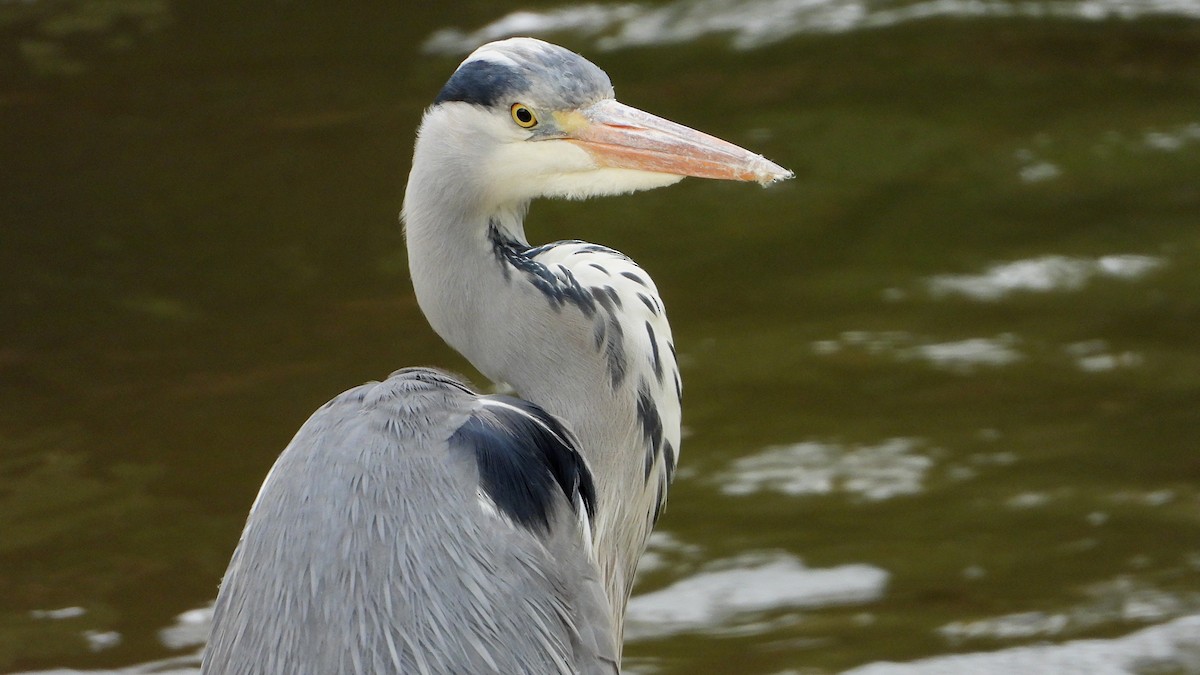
(199, 246)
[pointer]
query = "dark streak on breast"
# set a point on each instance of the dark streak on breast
(612, 295)
(603, 298)
(648, 303)
(655, 359)
(559, 289)
(678, 381)
(660, 502)
(669, 459)
(652, 427)
(634, 277)
(615, 351)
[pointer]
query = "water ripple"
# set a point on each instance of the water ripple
(710, 599)
(871, 472)
(756, 23)
(1172, 647)
(1041, 275)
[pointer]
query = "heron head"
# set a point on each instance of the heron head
(533, 119)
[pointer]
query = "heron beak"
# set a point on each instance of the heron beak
(620, 136)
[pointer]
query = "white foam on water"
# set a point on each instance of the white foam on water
(720, 597)
(751, 24)
(1172, 647)
(962, 356)
(1051, 273)
(1151, 498)
(190, 629)
(871, 472)
(965, 355)
(586, 19)
(1039, 172)
(1122, 600)
(1172, 140)
(665, 551)
(183, 665)
(1008, 627)
(727, 597)
(58, 614)
(1028, 500)
(100, 640)
(1093, 356)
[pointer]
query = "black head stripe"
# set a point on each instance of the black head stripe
(483, 83)
(527, 71)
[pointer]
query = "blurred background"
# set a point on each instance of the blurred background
(942, 390)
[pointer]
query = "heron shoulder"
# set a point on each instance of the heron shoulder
(368, 543)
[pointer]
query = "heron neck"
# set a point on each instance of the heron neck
(466, 273)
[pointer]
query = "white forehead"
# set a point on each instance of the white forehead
(545, 74)
(502, 52)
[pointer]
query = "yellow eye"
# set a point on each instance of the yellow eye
(523, 116)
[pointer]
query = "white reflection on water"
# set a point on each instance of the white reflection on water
(720, 599)
(1173, 647)
(965, 355)
(1173, 139)
(755, 23)
(961, 356)
(871, 472)
(1122, 600)
(183, 665)
(189, 630)
(100, 640)
(968, 355)
(57, 614)
(711, 599)
(665, 551)
(1092, 356)
(1040, 171)
(1045, 274)
(716, 600)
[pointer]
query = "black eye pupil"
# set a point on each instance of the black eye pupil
(524, 115)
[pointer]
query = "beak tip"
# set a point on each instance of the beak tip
(769, 172)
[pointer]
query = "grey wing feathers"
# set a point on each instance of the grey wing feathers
(412, 526)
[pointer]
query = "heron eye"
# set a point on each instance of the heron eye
(523, 116)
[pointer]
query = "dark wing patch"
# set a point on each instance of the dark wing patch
(524, 455)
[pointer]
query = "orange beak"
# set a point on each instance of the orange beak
(620, 136)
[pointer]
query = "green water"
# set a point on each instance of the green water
(199, 246)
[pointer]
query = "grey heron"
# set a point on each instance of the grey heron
(413, 525)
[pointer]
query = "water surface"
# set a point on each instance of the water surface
(941, 389)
